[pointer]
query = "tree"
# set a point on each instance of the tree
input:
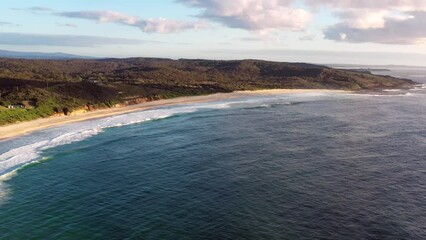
(66, 111)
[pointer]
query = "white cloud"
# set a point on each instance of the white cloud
(378, 21)
(157, 25)
(365, 14)
(253, 15)
(364, 19)
(101, 16)
(401, 5)
(161, 25)
(395, 31)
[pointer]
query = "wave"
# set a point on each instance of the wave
(29, 149)
(382, 95)
(272, 105)
(419, 87)
(392, 90)
(20, 156)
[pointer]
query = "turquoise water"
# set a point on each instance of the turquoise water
(303, 166)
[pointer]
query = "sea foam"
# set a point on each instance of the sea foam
(30, 151)
(19, 152)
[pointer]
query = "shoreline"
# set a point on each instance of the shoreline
(23, 128)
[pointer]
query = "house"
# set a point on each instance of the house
(17, 106)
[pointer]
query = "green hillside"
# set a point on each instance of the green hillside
(53, 86)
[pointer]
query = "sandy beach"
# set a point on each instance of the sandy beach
(22, 128)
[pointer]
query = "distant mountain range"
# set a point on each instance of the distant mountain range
(39, 55)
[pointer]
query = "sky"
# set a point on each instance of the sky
(316, 31)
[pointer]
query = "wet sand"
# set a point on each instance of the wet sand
(18, 129)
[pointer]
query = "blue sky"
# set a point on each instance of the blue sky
(317, 31)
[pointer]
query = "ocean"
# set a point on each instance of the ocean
(296, 166)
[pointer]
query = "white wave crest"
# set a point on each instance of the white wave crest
(382, 95)
(4, 190)
(420, 87)
(21, 155)
(18, 152)
(392, 90)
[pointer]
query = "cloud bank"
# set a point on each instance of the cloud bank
(252, 15)
(157, 25)
(381, 21)
(394, 31)
(358, 21)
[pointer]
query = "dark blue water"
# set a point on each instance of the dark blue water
(307, 166)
